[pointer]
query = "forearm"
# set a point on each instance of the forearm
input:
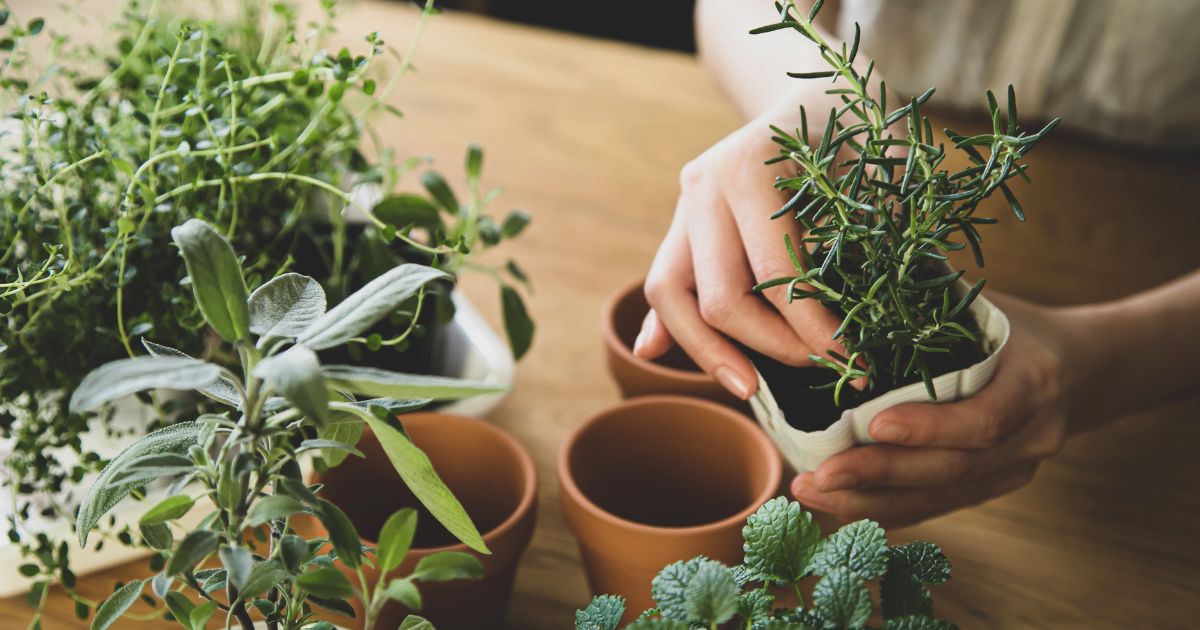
(1135, 353)
(752, 69)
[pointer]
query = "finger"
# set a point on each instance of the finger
(980, 421)
(903, 467)
(669, 291)
(653, 341)
(769, 259)
(898, 507)
(723, 282)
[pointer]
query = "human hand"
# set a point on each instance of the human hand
(934, 458)
(722, 241)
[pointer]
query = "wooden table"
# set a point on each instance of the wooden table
(590, 135)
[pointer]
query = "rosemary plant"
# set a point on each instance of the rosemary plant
(248, 121)
(784, 548)
(880, 211)
(244, 462)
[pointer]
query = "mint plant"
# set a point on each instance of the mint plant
(879, 211)
(784, 552)
(243, 462)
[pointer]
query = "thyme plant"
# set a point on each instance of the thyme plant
(243, 463)
(249, 121)
(784, 550)
(880, 210)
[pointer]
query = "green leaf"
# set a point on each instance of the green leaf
(263, 577)
(296, 375)
(294, 551)
(343, 427)
(150, 467)
(326, 582)
(405, 209)
(104, 493)
(272, 508)
(376, 300)
(376, 382)
(924, 561)
(237, 562)
(413, 622)
(474, 161)
(216, 278)
(860, 547)
(342, 533)
(917, 622)
(180, 606)
(128, 376)
(445, 566)
(654, 623)
(514, 223)
(29, 569)
(192, 549)
(755, 605)
(286, 305)
(395, 538)
(669, 587)
(339, 606)
(711, 594)
(842, 599)
(602, 613)
(517, 324)
(116, 605)
(404, 591)
(221, 390)
(780, 540)
(417, 472)
(201, 614)
(157, 535)
(440, 191)
(168, 509)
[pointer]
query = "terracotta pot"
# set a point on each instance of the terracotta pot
(657, 479)
(672, 373)
(490, 473)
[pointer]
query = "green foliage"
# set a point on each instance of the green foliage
(879, 211)
(243, 118)
(243, 463)
(784, 550)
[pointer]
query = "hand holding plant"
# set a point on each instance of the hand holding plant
(245, 460)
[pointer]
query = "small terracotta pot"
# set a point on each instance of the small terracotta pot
(489, 472)
(672, 373)
(657, 479)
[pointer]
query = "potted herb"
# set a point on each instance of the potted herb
(880, 212)
(244, 461)
(784, 552)
(248, 121)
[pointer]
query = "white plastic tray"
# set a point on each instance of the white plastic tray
(467, 348)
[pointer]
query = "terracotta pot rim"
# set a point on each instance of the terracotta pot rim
(772, 461)
(525, 461)
(609, 330)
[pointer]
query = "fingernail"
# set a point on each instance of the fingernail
(839, 481)
(889, 432)
(639, 342)
(733, 382)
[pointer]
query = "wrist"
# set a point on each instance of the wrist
(1095, 366)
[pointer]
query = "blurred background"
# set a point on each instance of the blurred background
(658, 23)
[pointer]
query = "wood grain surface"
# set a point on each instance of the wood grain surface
(590, 136)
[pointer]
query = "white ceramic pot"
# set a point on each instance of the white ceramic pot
(805, 450)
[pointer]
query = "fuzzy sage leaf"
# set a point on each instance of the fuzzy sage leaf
(216, 278)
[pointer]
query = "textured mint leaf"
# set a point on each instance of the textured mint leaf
(711, 596)
(669, 587)
(780, 540)
(842, 600)
(743, 575)
(924, 561)
(603, 613)
(784, 624)
(901, 596)
(658, 623)
(860, 546)
(918, 622)
(755, 605)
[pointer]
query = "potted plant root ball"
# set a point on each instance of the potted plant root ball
(879, 213)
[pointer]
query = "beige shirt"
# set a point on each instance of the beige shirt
(1127, 70)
